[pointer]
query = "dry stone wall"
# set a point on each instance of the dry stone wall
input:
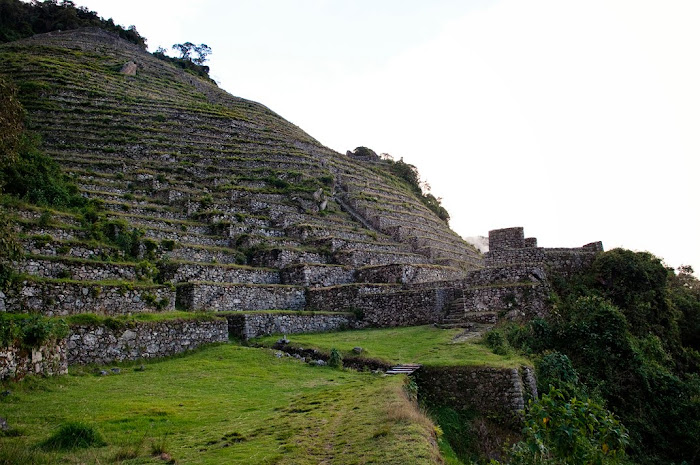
(383, 306)
(312, 275)
(249, 325)
(508, 247)
(47, 360)
(408, 274)
(494, 392)
(59, 298)
(513, 301)
(103, 345)
(238, 297)
(183, 272)
(81, 271)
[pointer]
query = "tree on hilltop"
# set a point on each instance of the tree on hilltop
(202, 52)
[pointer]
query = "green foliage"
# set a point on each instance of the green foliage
(188, 65)
(37, 178)
(555, 369)
(11, 122)
(19, 20)
(335, 360)
(409, 174)
(622, 325)
(457, 430)
(146, 271)
(74, 435)
(168, 244)
(30, 331)
(572, 431)
(10, 249)
(497, 342)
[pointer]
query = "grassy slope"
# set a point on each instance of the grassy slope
(416, 344)
(223, 404)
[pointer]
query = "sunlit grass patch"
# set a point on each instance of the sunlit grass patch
(427, 345)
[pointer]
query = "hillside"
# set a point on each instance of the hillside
(217, 179)
(145, 212)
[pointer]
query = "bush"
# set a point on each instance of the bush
(37, 178)
(335, 360)
(30, 331)
(74, 435)
(497, 342)
(572, 431)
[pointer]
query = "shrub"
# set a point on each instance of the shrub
(497, 342)
(335, 360)
(558, 430)
(74, 435)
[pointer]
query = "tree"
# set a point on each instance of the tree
(202, 51)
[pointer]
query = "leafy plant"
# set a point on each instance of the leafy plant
(335, 360)
(572, 431)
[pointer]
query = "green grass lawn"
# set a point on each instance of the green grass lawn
(427, 345)
(222, 404)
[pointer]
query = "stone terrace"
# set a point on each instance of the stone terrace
(234, 208)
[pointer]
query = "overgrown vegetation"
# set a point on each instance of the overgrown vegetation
(19, 20)
(623, 337)
(411, 177)
(30, 331)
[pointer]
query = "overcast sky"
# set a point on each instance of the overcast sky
(579, 120)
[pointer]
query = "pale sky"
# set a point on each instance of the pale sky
(578, 120)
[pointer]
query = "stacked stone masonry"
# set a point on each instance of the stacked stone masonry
(249, 325)
(510, 247)
(103, 345)
(239, 297)
(59, 298)
(313, 275)
(46, 360)
(495, 392)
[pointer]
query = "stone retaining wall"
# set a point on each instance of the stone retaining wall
(52, 298)
(312, 275)
(494, 392)
(515, 301)
(369, 258)
(506, 274)
(85, 271)
(280, 258)
(338, 298)
(250, 325)
(182, 272)
(47, 360)
(408, 274)
(384, 305)
(102, 345)
(237, 297)
(201, 254)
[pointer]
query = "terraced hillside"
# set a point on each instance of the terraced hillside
(217, 200)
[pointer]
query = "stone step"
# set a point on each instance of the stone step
(471, 317)
(404, 369)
